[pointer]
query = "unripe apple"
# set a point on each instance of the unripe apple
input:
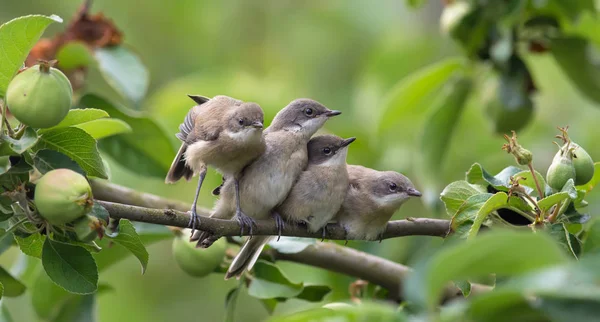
(63, 195)
(40, 96)
(198, 262)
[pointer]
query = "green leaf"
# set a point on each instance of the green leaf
(456, 193)
(270, 282)
(1, 291)
(47, 298)
(231, 302)
(70, 267)
(31, 245)
(366, 311)
(464, 287)
(147, 151)
(568, 192)
(595, 179)
(270, 304)
(16, 175)
(564, 309)
(102, 128)
(291, 245)
(128, 238)
(469, 209)
(78, 308)
(4, 164)
(17, 38)
(12, 286)
(10, 146)
(73, 55)
(148, 234)
(124, 71)
(77, 145)
(497, 201)
(48, 160)
(501, 181)
(591, 243)
(415, 3)
(440, 124)
(573, 56)
(500, 305)
(407, 95)
(314, 293)
(4, 314)
(504, 253)
(569, 242)
(78, 116)
(529, 183)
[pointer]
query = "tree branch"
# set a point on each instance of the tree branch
(374, 269)
(221, 227)
(138, 206)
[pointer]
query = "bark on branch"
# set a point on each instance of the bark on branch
(220, 227)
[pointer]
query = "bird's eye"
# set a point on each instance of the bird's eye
(309, 112)
(241, 122)
(327, 151)
(393, 187)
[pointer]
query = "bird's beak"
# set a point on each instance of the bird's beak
(331, 113)
(347, 141)
(414, 192)
(257, 125)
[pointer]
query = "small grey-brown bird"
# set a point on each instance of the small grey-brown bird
(266, 182)
(222, 132)
(372, 198)
(320, 189)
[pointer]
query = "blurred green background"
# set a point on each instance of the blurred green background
(346, 54)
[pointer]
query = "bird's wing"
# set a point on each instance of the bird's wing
(187, 126)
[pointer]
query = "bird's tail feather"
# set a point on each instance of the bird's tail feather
(179, 168)
(247, 256)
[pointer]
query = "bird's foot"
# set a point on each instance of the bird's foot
(279, 223)
(244, 221)
(194, 221)
(324, 233)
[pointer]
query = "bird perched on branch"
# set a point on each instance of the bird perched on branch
(320, 189)
(372, 198)
(222, 132)
(266, 182)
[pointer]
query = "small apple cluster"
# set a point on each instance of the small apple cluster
(40, 97)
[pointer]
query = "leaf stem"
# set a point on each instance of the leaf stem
(13, 227)
(3, 117)
(537, 184)
(554, 215)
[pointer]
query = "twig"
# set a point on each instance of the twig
(105, 190)
(376, 270)
(220, 227)
(537, 184)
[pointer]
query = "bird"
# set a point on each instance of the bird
(222, 132)
(372, 198)
(266, 182)
(320, 190)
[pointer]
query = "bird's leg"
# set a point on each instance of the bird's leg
(244, 220)
(279, 223)
(324, 233)
(195, 219)
(345, 235)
